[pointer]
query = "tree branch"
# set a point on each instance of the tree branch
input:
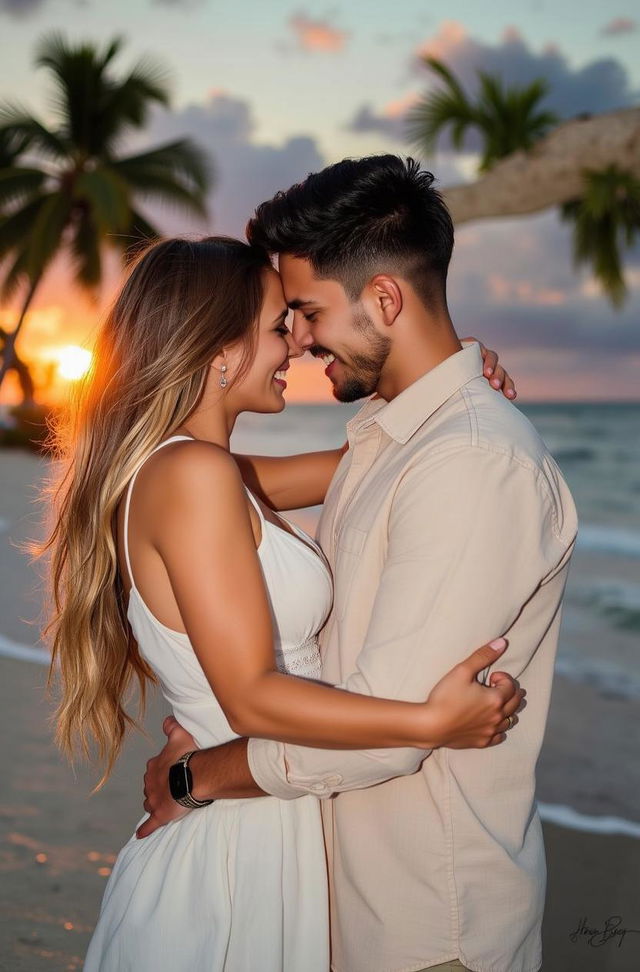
(551, 173)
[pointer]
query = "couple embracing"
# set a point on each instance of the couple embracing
(338, 755)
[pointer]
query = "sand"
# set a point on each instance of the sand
(57, 842)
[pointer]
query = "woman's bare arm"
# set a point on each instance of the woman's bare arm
(206, 542)
(290, 482)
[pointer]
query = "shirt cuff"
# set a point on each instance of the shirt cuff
(268, 766)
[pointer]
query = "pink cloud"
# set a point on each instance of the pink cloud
(451, 35)
(317, 35)
(524, 292)
(619, 25)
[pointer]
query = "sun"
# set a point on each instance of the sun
(73, 362)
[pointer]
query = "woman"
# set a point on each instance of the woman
(158, 540)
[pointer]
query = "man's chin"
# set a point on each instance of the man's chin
(349, 392)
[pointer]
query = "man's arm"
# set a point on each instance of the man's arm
(290, 482)
(471, 536)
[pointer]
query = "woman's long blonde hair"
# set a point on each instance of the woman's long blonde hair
(182, 303)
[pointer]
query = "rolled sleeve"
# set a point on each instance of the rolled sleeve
(472, 535)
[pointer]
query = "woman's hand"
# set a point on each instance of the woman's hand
(494, 372)
(468, 715)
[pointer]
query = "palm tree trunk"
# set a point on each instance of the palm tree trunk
(10, 358)
(552, 172)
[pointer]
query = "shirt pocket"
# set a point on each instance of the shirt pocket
(349, 546)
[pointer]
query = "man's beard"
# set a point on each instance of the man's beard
(365, 368)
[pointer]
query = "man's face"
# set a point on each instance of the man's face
(332, 328)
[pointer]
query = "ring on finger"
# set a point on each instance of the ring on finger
(511, 722)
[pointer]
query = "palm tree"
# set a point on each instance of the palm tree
(67, 187)
(507, 119)
(605, 218)
(602, 203)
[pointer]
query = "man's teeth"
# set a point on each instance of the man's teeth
(328, 358)
(281, 375)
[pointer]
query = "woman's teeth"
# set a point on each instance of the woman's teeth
(328, 358)
(281, 375)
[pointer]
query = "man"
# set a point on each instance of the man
(446, 523)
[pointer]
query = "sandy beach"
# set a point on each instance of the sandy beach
(58, 842)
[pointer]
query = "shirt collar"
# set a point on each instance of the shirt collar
(402, 416)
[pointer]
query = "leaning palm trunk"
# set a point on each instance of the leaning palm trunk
(552, 172)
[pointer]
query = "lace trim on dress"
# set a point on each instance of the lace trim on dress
(302, 660)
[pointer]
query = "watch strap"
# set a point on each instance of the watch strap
(188, 800)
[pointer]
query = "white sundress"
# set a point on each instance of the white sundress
(239, 885)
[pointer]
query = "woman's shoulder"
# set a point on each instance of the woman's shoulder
(193, 468)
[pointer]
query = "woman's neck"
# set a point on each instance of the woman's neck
(210, 423)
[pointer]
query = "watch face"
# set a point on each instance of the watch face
(179, 781)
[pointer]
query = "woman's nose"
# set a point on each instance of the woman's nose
(295, 351)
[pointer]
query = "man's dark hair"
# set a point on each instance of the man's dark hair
(361, 217)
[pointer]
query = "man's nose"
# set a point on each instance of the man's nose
(295, 351)
(301, 332)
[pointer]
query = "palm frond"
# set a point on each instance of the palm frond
(47, 231)
(16, 228)
(106, 195)
(177, 173)
(16, 275)
(182, 159)
(85, 249)
(18, 183)
(605, 221)
(20, 132)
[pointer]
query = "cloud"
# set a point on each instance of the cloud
(316, 35)
(619, 25)
(20, 8)
(600, 85)
(247, 172)
(513, 282)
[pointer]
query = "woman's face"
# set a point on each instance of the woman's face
(262, 388)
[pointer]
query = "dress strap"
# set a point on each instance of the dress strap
(255, 503)
(174, 438)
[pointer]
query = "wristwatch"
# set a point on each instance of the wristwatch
(181, 783)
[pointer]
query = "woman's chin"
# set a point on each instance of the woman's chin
(269, 405)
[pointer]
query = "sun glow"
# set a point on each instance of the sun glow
(73, 362)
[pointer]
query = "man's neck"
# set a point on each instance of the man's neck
(412, 359)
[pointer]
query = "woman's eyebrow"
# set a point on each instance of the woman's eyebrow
(281, 316)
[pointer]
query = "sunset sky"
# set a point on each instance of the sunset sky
(276, 89)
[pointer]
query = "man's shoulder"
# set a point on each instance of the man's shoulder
(478, 418)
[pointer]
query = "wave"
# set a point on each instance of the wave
(616, 600)
(574, 454)
(13, 649)
(563, 816)
(593, 538)
(610, 682)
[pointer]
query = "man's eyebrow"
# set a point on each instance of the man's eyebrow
(296, 304)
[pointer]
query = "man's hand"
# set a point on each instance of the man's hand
(494, 372)
(157, 799)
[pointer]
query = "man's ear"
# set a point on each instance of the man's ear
(384, 296)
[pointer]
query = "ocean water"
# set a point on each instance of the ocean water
(597, 446)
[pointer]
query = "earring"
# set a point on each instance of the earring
(223, 380)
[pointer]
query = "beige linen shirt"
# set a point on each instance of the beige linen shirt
(447, 524)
